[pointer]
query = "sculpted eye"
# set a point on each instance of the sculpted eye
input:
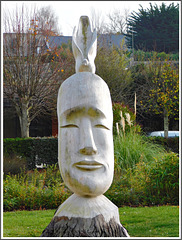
(101, 126)
(69, 126)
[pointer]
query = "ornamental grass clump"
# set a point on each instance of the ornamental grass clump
(145, 173)
(124, 119)
(131, 148)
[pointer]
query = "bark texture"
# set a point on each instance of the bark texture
(83, 227)
(166, 124)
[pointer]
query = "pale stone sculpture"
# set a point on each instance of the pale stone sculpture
(84, 45)
(85, 153)
(85, 148)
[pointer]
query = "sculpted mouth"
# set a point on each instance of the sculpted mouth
(88, 165)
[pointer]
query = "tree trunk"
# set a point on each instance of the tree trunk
(166, 123)
(84, 227)
(82, 216)
(24, 121)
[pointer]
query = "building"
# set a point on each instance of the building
(102, 40)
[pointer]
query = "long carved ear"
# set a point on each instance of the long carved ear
(84, 45)
(92, 51)
(76, 50)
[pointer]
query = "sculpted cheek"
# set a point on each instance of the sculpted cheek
(103, 138)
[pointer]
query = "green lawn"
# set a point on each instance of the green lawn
(140, 222)
(151, 221)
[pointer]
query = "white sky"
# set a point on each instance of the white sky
(69, 12)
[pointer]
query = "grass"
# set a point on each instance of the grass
(132, 148)
(26, 223)
(160, 221)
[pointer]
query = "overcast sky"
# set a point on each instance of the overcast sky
(69, 12)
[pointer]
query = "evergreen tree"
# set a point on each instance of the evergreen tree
(155, 28)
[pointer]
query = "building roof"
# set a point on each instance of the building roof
(107, 40)
(56, 41)
(50, 42)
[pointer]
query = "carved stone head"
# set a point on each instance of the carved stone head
(85, 119)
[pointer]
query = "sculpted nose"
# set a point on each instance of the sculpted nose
(87, 144)
(88, 151)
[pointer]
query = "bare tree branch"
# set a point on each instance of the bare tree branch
(31, 72)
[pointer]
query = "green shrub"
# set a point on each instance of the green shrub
(170, 144)
(14, 164)
(34, 190)
(140, 55)
(158, 181)
(147, 184)
(145, 174)
(162, 185)
(45, 150)
(34, 150)
(18, 146)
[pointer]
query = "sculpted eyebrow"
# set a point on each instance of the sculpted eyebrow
(93, 112)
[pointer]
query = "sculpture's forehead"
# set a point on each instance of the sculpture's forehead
(85, 90)
(82, 109)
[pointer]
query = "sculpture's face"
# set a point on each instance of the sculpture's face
(86, 155)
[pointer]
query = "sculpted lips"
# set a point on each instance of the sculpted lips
(88, 165)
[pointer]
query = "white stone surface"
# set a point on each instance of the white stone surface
(85, 140)
(78, 206)
(84, 46)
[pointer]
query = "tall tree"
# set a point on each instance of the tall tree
(157, 87)
(30, 70)
(112, 65)
(48, 21)
(117, 22)
(155, 28)
(163, 98)
(97, 21)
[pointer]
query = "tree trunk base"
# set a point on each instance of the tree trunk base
(83, 227)
(82, 216)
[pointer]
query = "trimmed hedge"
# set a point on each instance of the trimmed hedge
(45, 150)
(170, 144)
(35, 150)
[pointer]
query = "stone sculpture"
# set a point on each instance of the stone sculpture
(85, 148)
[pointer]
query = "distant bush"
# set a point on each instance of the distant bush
(147, 184)
(162, 185)
(17, 146)
(145, 173)
(34, 190)
(34, 150)
(140, 55)
(170, 144)
(14, 164)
